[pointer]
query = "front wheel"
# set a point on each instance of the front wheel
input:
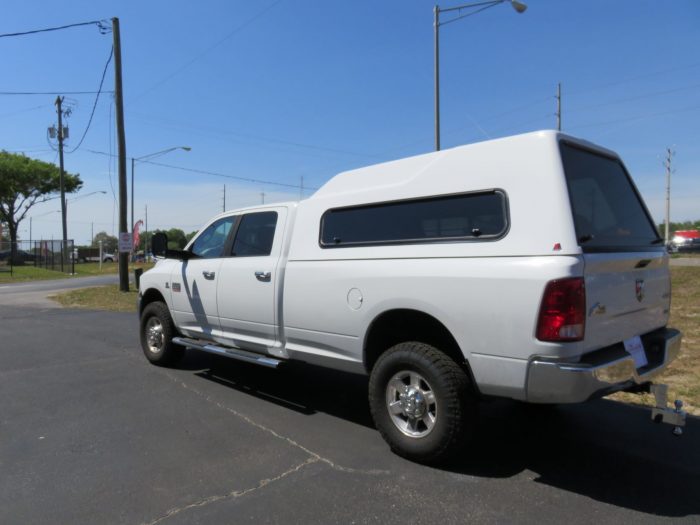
(157, 332)
(421, 402)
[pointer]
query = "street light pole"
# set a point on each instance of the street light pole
(436, 25)
(519, 8)
(144, 157)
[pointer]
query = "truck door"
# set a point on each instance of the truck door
(249, 283)
(193, 282)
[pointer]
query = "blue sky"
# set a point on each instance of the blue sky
(277, 90)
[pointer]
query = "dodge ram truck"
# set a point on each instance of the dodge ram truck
(526, 267)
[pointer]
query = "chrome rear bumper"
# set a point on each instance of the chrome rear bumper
(598, 373)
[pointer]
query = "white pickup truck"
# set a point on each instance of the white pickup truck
(526, 267)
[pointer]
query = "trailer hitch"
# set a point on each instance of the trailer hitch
(662, 413)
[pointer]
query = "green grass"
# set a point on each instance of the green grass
(30, 273)
(99, 298)
(683, 375)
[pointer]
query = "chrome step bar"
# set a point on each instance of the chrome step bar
(233, 353)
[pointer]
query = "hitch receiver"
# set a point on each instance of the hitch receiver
(663, 413)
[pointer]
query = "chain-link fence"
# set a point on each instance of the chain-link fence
(50, 255)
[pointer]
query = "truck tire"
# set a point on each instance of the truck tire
(421, 401)
(157, 332)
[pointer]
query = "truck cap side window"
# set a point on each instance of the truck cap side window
(472, 216)
(255, 234)
(210, 243)
(608, 213)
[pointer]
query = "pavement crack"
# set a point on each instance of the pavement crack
(290, 441)
(234, 493)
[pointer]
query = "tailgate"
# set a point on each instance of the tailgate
(627, 294)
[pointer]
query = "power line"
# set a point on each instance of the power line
(637, 97)
(97, 97)
(215, 174)
(168, 124)
(207, 50)
(4, 115)
(59, 92)
(101, 24)
(632, 79)
(212, 173)
(640, 117)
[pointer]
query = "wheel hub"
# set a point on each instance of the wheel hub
(412, 402)
(154, 336)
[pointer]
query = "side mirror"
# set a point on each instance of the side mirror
(159, 244)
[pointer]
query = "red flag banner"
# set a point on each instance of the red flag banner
(137, 234)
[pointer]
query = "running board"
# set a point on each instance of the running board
(233, 353)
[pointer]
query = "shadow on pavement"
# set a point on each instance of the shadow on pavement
(303, 388)
(605, 450)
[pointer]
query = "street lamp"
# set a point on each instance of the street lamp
(86, 195)
(518, 6)
(144, 157)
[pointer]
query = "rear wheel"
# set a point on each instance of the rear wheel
(157, 332)
(421, 402)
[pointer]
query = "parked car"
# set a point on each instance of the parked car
(21, 255)
(689, 246)
(83, 255)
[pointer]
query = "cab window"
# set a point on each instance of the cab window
(210, 243)
(255, 234)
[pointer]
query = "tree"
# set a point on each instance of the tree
(25, 182)
(109, 242)
(176, 239)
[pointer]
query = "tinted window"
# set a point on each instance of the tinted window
(608, 212)
(469, 216)
(255, 234)
(210, 243)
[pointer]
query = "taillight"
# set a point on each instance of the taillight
(563, 311)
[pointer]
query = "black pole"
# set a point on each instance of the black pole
(121, 144)
(59, 109)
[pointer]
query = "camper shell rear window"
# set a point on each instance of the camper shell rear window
(609, 214)
(474, 216)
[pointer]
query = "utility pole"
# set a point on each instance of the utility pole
(145, 237)
(436, 51)
(301, 188)
(559, 106)
(59, 109)
(121, 144)
(667, 164)
(262, 195)
(224, 197)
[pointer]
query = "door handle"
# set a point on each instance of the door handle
(209, 275)
(263, 276)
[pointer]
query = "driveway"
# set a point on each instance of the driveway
(91, 433)
(34, 293)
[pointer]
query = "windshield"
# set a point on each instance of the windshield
(608, 211)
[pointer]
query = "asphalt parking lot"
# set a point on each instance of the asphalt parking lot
(91, 433)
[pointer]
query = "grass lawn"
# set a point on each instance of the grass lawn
(30, 273)
(100, 298)
(683, 376)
